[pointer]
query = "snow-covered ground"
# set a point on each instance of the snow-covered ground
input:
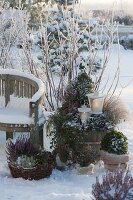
(68, 185)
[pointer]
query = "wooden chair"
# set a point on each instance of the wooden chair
(21, 104)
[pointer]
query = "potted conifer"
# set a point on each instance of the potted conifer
(114, 150)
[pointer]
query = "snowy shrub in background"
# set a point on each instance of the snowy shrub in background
(124, 19)
(57, 48)
(67, 40)
(127, 42)
(114, 185)
(25, 4)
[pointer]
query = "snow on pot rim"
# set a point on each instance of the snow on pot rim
(95, 95)
(114, 158)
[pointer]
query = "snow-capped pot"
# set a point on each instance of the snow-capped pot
(114, 150)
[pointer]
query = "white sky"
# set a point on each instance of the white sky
(120, 4)
(105, 1)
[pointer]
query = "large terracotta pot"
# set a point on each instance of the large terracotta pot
(114, 161)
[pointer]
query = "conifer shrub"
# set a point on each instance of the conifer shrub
(68, 133)
(75, 94)
(115, 142)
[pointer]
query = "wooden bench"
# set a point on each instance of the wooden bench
(21, 104)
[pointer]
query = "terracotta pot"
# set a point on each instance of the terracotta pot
(93, 136)
(114, 161)
(86, 170)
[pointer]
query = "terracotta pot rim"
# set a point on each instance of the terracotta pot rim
(110, 158)
(113, 154)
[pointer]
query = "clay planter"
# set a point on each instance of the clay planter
(114, 161)
(86, 170)
(35, 173)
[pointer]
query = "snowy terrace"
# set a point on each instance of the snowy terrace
(68, 185)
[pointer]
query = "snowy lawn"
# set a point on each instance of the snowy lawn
(68, 185)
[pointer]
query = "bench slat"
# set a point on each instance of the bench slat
(17, 88)
(20, 89)
(25, 89)
(0, 86)
(12, 86)
(3, 87)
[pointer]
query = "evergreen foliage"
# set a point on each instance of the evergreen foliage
(115, 142)
(68, 133)
(75, 94)
(66, 41)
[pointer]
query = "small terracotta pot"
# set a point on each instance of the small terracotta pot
(86, 170)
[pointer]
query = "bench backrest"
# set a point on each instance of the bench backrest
(20, 85)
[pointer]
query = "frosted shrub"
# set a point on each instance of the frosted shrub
(127, 42)
(115, 185)
(26, 162)
(115, 142)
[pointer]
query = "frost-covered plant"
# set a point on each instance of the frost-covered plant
(114, 185)
(127, 42)
(67, 41)
(63, 40)
(60, 41)
(22, 146)
(115, 109)
(37, 14)
(12, 31)
(25, 4)
(124, 19)
(75, 93)
(26, 161)
(24, 153)
(115, 142)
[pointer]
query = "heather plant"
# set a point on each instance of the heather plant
(22, 146)
(115, 142)
(23, 152)
(114, 185)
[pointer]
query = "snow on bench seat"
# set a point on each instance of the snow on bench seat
(16, 111)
